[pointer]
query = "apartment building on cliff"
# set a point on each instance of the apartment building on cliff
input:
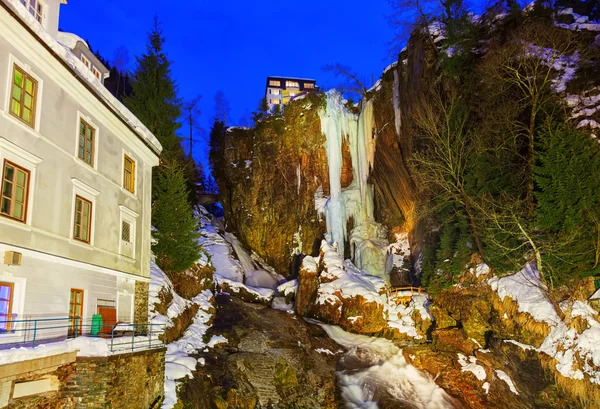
(76, 173)
(279, 91)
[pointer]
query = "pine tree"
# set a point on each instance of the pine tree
(176, 234)
(155, 101)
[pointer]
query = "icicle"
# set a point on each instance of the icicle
(335, 124)
(299, 178)
(396, 101)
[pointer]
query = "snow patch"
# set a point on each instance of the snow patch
(502, 375)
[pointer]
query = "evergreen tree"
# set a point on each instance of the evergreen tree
(262, 112)
(176, 233)
(567, 177)
(215, 155)
(154, 100)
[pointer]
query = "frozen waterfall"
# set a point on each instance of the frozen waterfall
(368, 242)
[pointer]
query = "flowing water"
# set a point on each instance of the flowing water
(373, 373)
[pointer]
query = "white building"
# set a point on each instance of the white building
(76, 179)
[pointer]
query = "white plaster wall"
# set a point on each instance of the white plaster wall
(62, 99)
(42, 289)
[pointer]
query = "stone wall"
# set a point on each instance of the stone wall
(123, 381)
(140, 309)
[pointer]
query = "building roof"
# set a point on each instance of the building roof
(64, 54)
(290, 78)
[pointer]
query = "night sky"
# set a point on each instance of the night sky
(233, 46)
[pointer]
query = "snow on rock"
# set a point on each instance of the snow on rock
(470, 365)
(482, 269)
(399, 250)
(502, 375)
(580, 22)
(291, 287)
(259, 294)
(389, 67)
(521, 345)
(83, 72)
(324, 351)
(342, 281)
(577, 354)
(486, 387)
(565, 65)
(347, 280)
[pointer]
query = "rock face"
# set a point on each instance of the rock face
(270, 361)
(269, 181)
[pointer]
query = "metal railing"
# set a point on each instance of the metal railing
(119, 337)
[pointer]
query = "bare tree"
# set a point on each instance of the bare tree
(353, 82)
(222, 107)
(407, 15)
(449, 151)
(193, 112)
(526, 67)
(121, 63)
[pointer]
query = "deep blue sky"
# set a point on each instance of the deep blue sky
(233, 45)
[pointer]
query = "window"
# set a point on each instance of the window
(275, 83)
(15, 187)
(86, 61)
(85, 152)
(127, 242)
(6, 300)
(83, 220)
(129, 174)
(126, 232)
(308, 85)
(35, 8)
(96, 72)
(274, 101)
(292, 84)
(76, 311)
(23, 95)
(275, 92)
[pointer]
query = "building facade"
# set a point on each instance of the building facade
(76, 169)
(279, 91)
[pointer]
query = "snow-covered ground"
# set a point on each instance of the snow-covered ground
(178, 363)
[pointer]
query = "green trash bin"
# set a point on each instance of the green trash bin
(96, 324)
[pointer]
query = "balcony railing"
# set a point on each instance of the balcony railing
(119, 337)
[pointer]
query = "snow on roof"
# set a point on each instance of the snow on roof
(69, 40)
(86, 75)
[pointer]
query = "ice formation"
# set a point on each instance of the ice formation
(367, 239)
